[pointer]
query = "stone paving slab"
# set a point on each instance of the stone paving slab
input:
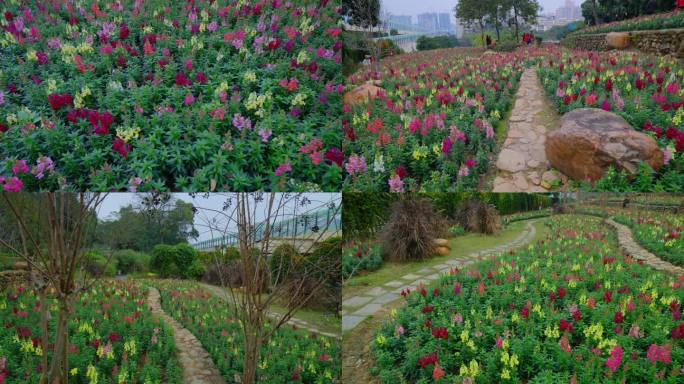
(198, 368)
(522, 164)
(374, 299)
(356, 301)
(632, 248)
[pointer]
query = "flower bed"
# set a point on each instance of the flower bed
(433, 126)
(145, 96)
(645, 90)
(658, 232)
(361, 257)
(658, 21)
(113, 337)
(289, 355)
(569, 309)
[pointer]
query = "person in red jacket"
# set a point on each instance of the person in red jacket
(526, 38)
(680, 3)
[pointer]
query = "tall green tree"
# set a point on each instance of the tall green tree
(522, 10)
(362, 13)
(474, 12)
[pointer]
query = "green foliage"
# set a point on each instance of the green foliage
(633, 15)
(456, 231)
(284, 258)
(96, 264)
(363, 13)
(128, 261)
(360, 258)
(175, 261)
(425, 43)
(506, 46)
(364, 213)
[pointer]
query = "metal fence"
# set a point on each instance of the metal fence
(300, 226)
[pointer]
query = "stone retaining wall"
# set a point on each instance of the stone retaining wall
(659, 42)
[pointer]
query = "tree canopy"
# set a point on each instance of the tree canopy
(362, 13)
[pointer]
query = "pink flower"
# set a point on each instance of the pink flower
(606, 105)
(355, 165)
(591, 99)
(615, 358)
(44, 164)
(396, 184)
(241, 122)
(658, 353)
(20, 167)
(212, 27)
(133, 185)
(189, 99)
(265, 134)
(565, 344)
(398, 331)
(283, 168)
(188, 65)
(13, 184)
(2, 98)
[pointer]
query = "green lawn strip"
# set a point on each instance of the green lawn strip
(461, 247)
(324, 321)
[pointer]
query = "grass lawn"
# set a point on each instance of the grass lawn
(460, 247)
(323, 320)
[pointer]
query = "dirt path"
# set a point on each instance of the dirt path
(522, 164)
(632, 248)
(198, 368)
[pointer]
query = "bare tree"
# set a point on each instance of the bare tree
(255, 218)
(52, 229)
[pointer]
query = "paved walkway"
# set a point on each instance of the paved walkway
(522, 164)
(198, 368)
(299, 323)
(356, 308)
(629, 246)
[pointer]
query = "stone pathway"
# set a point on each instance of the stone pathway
(629, 246)
(522, 164)
(355, 309)
(198, 368)
(299, 323)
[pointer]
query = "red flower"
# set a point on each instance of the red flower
(201, 78)
(428, 309)
(576, 316)
(565, 326)
(609, 85)
(608, 296)
(525, 312)
(334, 155)
(440, 333)
(400, 171)
(561, 292)
(678, 332)
(618, 318)
(430, 359)
(437, 373)
(58, 101)
(122, 147)
(124, 32)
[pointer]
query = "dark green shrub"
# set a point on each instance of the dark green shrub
(128, 261)
(283, 260)
(95, 264)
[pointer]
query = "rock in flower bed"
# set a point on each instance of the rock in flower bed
(113, 338)
(570, 309)
(289, 356)
(151, 95)
(433, 125)
(646, 91)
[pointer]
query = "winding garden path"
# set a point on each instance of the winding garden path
(522, 164)
(198, 368)
(356, 308)
(299, 323)
(629, 246)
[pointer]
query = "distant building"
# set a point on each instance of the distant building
(428, 21)
(445, 23)
(401, 19)
(569, 12)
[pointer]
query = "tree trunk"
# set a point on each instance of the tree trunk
(484, 44)
(58, 373)
(593, 8)
(252, 353)
(515, 22)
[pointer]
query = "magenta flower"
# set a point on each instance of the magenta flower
(13, 184)
(658, 353)
(606, 105)
(2, 98)
(615, 358)
(212, 27)
(189, 99)
(355, 165)
(396, 184)
(283, 168)
(241, 122)
(20, 167)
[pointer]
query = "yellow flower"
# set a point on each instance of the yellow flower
(74, 371)
(31, 55)
(302, 57)
(380, 339)
(505, 374)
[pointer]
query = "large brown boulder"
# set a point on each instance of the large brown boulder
(590, 140)
(363, 93)
(618, 40)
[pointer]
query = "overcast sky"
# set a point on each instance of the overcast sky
(213, 201)
(414, 7)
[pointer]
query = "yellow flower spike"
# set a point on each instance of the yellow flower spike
(73, 372)
(380, 340)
